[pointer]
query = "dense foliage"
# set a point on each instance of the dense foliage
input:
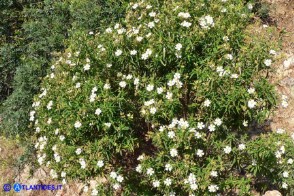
(41, 29)
(160, 103)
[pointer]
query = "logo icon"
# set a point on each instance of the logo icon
(6, 187)
(17, 187)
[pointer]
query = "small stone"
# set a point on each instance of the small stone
(272, 193)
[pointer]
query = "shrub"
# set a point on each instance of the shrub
(10, 25)
(44, 32)
(161, 103)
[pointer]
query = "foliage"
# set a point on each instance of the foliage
(177, 83)
(44, 32)
(10, 25)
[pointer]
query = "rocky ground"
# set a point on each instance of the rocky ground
(281, 15)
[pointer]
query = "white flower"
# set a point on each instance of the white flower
(285, 104)
(83, 163)
(106, 86)
(116, 186)
(135, 6)
(273, 52)
(280, 131)
(251, 103)
(146, 54)
(186, 24)
(171, 134)
(267, 62)
(183, 124)
(200, 153)
(156, 183)
(241, 146)
(179, 46)
(207, 103)
(285, 174)
(113, 175)
(40, 160)
(284, 185)
(191, 179)
(226, 38)
(245, 123)
(173, 152)
(167, 182)
(229, 56)
(100, 163)
(119, 178)
(184, 15)
(63, 181)
(107, 124)
(136, 81)
(168, 167)
(151, 25)
(250, 6)
(148, 7)
(139, 38)
(197, 135)
(78, 85)
(49, 105)
(213, 173)
(169, 95)
(94, 192)
(118, 52)
(171, 82)
(108, 30)
(121, 31)
(290, 161)
(227, 149)
(251, 90)
(86, 188)
(278, 154)
(139, 168)
(161, 128)
(211, 127)
(212, 188)
(98, 111)
(150, 87)
(108, 65)
(53, 173)
(148, 103)
(150, 171)
(234, 76)
(200, 125)
(153, 110)
(206, 22)
(63, 174)
(152, 14)
(133, 52)
(77, 124)
(61, 137)
(123, 84)
(78, 151)
(218, 122)
(49, 121)
(87, 67)
(219, 69)
(159, 90)
(194, 186)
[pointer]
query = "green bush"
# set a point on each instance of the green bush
(47, 26)
(10, 25)
(160, 103)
